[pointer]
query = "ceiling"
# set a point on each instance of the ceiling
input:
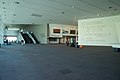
(55, 11)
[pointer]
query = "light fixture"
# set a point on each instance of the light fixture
(3, 2)
(73, 6)
(110, 12)
(63, 12)
(4, 8)
(36, 15)
(98, 14)
(14, 14)
(110, 7)
(86, 17)
(17, 2)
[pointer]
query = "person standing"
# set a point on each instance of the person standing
(67, 42)
(22, 42)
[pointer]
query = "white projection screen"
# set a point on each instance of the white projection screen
(99, 31)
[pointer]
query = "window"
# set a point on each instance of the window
(52, 39)
(56, 30)
(72, 31)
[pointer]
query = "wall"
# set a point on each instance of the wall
(64, 30)
(10, 32)
(5, 32)
(118, 30)
(40, 31)
(99, 31)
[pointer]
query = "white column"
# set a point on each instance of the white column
(1, 32)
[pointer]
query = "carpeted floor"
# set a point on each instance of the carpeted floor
(58, 62)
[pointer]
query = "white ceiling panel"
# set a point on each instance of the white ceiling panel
(55, 11)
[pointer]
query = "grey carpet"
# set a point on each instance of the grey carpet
(58, 62)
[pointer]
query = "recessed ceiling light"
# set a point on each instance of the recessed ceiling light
(73, 6)
(14, 14)
(4, 8)
(3, 2)
(110, 12)
(98, 14)
(36, 15)
(17, 2)
(110, 7)
(63, 12)
(86, 17)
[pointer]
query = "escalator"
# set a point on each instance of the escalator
(27, 39)
(36, 40)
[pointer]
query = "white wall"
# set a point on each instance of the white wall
(10, 32)
(40, 31)
(118, 30)
(99, 31)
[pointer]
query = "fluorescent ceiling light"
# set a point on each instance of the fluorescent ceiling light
(13, 28)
